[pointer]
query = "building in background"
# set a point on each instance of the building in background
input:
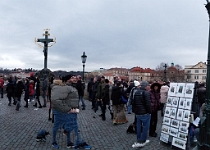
(196, 72)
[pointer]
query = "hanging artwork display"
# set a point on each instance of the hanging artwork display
(175, 102)
(180, 113)
(173, 132)
(181, 103)
(180, 90)
(179, 143)
(175, 123)
(177, 114)
(189, 90)
(169, 101)
(172, 89)
(167, 121)
(164, 137)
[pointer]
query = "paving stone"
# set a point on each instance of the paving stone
(19, 130)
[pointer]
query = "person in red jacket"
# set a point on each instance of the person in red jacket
(31, 89)
(1, 86)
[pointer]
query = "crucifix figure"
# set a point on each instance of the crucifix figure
(165, 72)
(46, 40)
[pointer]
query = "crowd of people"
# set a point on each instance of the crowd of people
(143, 99)
(29, 88)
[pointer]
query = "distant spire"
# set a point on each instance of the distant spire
(172, 64)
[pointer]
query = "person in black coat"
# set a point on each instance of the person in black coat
(37, 89)
(26, 89)
(119, 112)
(105, 99)
(201, 93)
(90, 88)
(10, 90)
(80, 89)
(19, 88)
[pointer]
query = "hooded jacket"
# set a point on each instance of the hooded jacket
(63, 97)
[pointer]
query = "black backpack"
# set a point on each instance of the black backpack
(135, 92)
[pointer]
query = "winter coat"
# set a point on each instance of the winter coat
(26, 89)
(90, 85)
(19, 87)
(100, 89)
(1, 83)
(116, 95)
(44, 84)
(201, 93)
(105, 97)
(37, 87)
(155, 99)
(10, 89)
(141, 103)
(63, 97)
(164, 93)
(80, 88)
(31, 88)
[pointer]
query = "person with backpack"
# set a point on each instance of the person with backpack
(141, 106)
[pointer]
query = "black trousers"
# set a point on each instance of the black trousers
(153, 122)
(1, 91)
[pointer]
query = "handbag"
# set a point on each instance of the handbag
(123, 100)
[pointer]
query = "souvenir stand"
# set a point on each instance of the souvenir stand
(176, 120)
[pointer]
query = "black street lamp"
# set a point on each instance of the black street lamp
(165, 72)
(84, 57)
(204, 137)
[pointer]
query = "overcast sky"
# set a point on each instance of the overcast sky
(113, 33)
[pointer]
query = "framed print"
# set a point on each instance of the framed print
(184, 124)
(167, 112)
(165, 129)
(179, 143)
(189, 90)
(188, 104)
(182, 136)
(183, 129)
(175, 102)
(164, 137)
(181, 103)
(175, 123)
(186, 115)
(167, 121)
(180, 113)
(169, 101)
(173, 132)
(180, 90)
(173, 113)
(172, 89)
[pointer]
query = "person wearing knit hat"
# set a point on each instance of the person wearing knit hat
(141, 105)
(144, 84)
(136, 83)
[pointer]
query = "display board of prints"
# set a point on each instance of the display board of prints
(177, 114)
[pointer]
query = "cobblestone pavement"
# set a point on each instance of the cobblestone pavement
(18, 130)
